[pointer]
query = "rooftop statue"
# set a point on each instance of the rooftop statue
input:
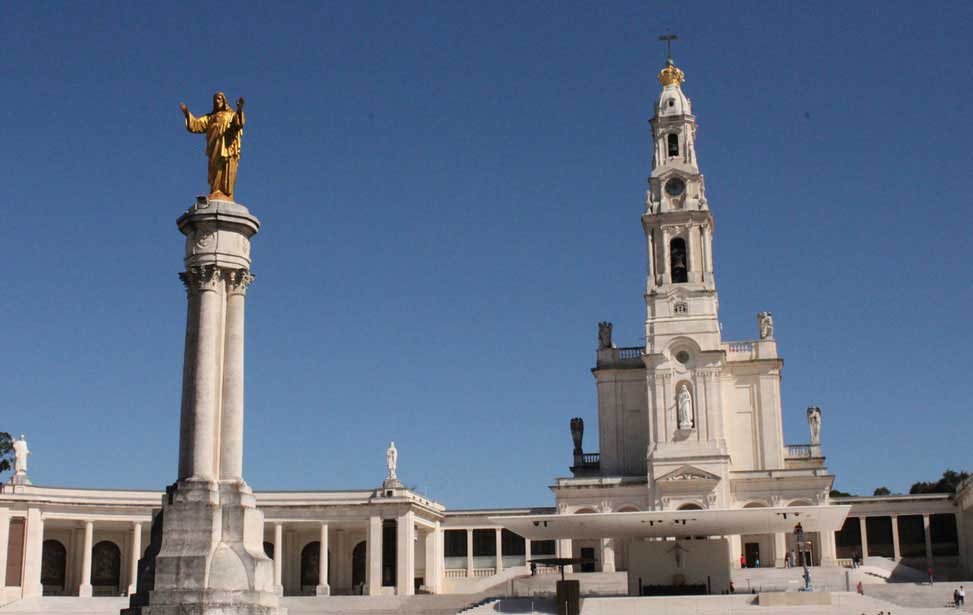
(20, 455)
(814, 424)
(224, 131)
(392, 460)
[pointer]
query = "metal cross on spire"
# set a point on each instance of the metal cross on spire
(668, 38)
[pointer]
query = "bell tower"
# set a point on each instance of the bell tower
(680, 291)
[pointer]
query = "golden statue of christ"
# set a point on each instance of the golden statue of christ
(224, 131)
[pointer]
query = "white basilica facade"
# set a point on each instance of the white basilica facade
(691, 457)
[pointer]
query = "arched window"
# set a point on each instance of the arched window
(672, 142)
(678, 268)
(269, 549)
(106, 567)
(690, 506)
(358, 555)
(53, 561)
(311, 564)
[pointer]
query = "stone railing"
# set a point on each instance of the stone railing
(591, 459)
(455, 573)
(799, 450)
(629, 357)
(484, 572)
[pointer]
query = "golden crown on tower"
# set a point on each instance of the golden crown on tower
(670, 75)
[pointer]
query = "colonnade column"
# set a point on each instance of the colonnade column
(928, 534)
(896, 553)
(4, 545)
(231, 428)
(736, 550)
(374, 555)
(780, 549)
(862, 526)
(136, 553)
(964, 555)
(829, 552)
(498, 567)
(434, 560)
(323, 589)
(565, 549)
(527, 554)
(405, 549)
(469, 553)
(278, 558)
(33, 553)
(84, 590)
(607, 555)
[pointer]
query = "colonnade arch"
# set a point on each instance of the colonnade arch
(53, 568)
(106, 568)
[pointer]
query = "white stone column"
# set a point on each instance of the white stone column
(84, 590)
(136, 553)
(498, 567)
(279, 558)
(667, 271)
(829, 553)
(607, 548)
(374, 555)
(201, 387)
(565, 549)
(434, 560)
(405, 554)
(33, 553)
(323, 589)
(896, 553)
(736, 550)
(4, 546)
(864, 532)
(928, 534)
(780, 549)
(527, 554)
(469, 553)
(231, 426)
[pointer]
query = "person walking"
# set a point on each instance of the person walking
(962, 595)
(743, 561)
(859, 589)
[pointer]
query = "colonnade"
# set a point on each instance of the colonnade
(76, 535)
(896, 543)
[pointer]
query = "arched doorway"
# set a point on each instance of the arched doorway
(53, 568)
(106, 568)
(757, 549)
(269, 549)
(358, 555)
(311, 566)
(810, 551)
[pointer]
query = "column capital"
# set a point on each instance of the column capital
(201, 278)
(238, 280)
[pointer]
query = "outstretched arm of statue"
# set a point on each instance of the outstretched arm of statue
(194, 124)
(239, 118)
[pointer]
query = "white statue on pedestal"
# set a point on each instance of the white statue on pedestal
(684, 405)
(20, 455)
(814, 424)
(392, 460)
(765, 321)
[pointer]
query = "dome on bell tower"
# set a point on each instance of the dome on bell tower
(672, 100)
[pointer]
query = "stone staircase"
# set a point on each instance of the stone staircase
(592, 584)
(448, 604)
(920, 595)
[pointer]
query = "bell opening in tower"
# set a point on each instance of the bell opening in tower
(673, 144)
(677, 259)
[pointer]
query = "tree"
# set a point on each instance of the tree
(6, 452)
(839, 494)
(882, 491)
(947, 484)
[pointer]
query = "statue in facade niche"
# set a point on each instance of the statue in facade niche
(224, 131)
(20, 455)
(684, 405)
(605, 335)
(391, 460)
(814, 424)
(765, 321)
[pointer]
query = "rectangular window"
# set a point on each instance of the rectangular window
(514, 549)
(542, 548)
(912, 536)
(942, 532)
(484, 548)
(454, 549)
(388, 553)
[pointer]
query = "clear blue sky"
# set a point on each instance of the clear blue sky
(450, 195)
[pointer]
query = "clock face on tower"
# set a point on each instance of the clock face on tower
(675, 186)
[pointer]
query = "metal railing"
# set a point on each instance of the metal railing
(591, 458)
(630, 352)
